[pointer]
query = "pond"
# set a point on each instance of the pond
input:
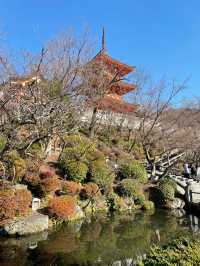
(100, 240)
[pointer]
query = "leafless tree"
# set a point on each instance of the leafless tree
(43, 102)
(160, 128)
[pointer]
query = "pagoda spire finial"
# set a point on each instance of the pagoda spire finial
(103, 48)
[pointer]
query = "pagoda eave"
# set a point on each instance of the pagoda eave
(117, 106)
(122, 88)
(117, 66)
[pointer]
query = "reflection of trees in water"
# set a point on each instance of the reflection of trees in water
(12, 256)
(103, 241)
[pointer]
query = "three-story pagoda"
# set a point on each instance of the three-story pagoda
(113, 99)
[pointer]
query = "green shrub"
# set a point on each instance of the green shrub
(17, 166)
(76, 156)
(134, 170)
(116, 203)
(182, 252)
(167, 191)
(148, 205)
(141, 200)
(120, 156)
(168, 181)
(3, 141)
(20, 168)
(101, 173)
(78, 148)
(36, 150)
(12, 155)
(95, 155)
(75, 170)
(167, 188)
(131, 188)
(137, 150)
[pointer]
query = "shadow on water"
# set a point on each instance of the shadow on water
(100, 240)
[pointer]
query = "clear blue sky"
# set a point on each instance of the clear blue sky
(161, 35)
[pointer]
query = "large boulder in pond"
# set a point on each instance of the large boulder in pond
(27, 225)
(176, 203)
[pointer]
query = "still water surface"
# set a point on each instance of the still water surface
(101, 240)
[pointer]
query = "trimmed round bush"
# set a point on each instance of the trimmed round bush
(50, 185)
(14, 203)
(8, 205)
(90, 191)
(131, 188)
(116, 203)
(148, 205)
(78, 148)
(168, 181)
(75, 170)
(48, 173)
(71, 188)
(168, 191)
(32, 180)
(78, 153)
(101, 174)
(141, 199)
(36, 150)
(63, 207)
(17, 165)
(134, 170)
(5, 185)
(95, 155)
(167, 188)
(33, 166)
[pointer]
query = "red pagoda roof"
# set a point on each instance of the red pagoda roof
(116, 105)
(113, 100)
(122, 88)
(113, 64)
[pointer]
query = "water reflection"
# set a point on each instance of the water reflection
(100, 240)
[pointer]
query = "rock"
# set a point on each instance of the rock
(180, 190)
(179, 213)
(100, 204)
(193, 192)
(79, 214)
(175, 204)
(29, 225)
(20, 186)
(129, 203)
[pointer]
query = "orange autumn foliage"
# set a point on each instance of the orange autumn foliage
(71, 188)
(14, 203)
(90, 190)
(63, 207)
(23, 199)
(50, 185)
(32, 180)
